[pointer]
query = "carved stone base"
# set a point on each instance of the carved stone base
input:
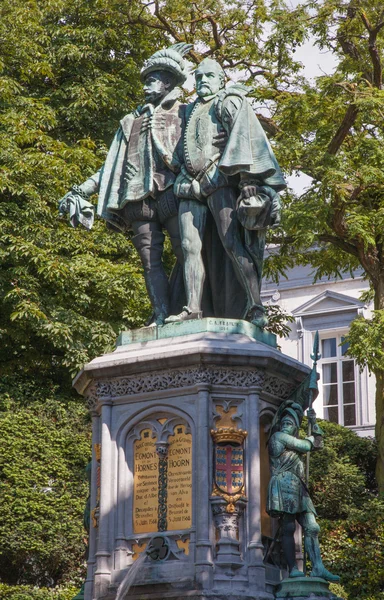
(305, 588)
(154, 402)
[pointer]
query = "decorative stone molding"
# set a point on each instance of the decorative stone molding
(227, 523)
(174, 379)
(278, 387)
(227, 413)
(92, 397)
(165, 380)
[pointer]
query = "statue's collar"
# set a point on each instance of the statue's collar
(170, 98)
(166, 102)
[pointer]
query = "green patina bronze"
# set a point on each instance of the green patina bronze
(288, 497)
(135, 184)
(196, 326)
(204, 172)
(230, 177)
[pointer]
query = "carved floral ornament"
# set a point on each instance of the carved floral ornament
(179, 378)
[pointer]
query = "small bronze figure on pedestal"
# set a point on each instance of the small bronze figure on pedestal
(288, 495)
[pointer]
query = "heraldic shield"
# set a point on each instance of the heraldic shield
(229, 468)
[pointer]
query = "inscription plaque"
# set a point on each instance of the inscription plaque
(145, 483)
(179, 503)
(162, 497)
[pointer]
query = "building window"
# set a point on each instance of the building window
(338, 381)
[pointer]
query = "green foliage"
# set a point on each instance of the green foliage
(69, 71)
(44, 448)
(64, 86)
(365, 339)
(356, 547)
(344, 492)
(278, 320)
(23, 592)
(342, 473)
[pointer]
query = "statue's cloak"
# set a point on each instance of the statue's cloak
(156, 147)
(248, 151)
(248, 156)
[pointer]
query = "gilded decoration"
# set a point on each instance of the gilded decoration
(162, 476)
(229, 465)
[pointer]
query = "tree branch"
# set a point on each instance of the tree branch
(215, 31)
(268, 125)
(342, 244)
(373, 50)
(343, 130)
(167, 25)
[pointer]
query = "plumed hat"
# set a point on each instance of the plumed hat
(171, 60)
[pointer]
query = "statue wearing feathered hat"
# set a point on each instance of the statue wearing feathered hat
(135, 184)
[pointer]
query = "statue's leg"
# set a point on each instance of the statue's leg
(311, 531)
(192, 221)
(255, 244)
(148, 240)
(168, 211)
(222, 205)
(288, 544)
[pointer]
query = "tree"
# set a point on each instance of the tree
(73, 74)
(69, 70)
(44, 447)
(330, 128)
(344, 491)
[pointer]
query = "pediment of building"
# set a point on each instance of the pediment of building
(327, 302)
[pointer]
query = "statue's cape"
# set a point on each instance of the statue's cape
(248, 149)
(113, 171)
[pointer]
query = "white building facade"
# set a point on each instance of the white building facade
(347, 395)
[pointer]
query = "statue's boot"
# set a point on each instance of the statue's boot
(295, 572)
(318, 569)
(257, 316)
(185, 315)
(157, 321)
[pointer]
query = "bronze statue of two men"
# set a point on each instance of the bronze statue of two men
(204, 172)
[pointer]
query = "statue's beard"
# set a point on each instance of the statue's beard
(205, 90)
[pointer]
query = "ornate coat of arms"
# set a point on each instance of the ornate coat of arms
(229, 464)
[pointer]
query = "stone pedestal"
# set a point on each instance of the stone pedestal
(305, 588)
(167, 485)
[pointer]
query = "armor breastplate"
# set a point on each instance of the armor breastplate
(202, 126)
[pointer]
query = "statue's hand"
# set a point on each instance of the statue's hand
(79, 209)
(311, 416)
(315, 428)
(276, 211)
(248, 191)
